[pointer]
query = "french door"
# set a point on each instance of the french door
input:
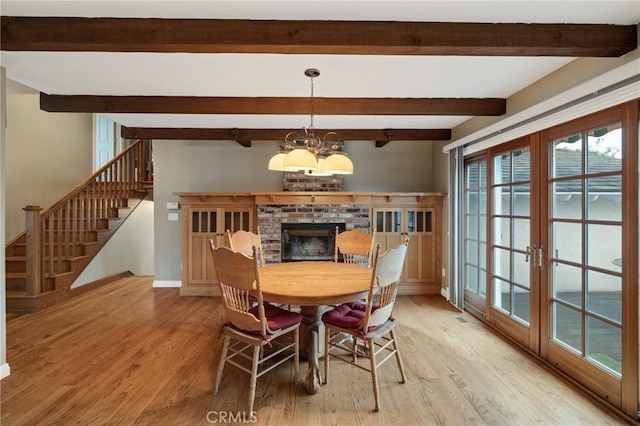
(513, 279)
(590, 309)
(551, 247)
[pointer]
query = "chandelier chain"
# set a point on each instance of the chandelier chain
(311, 125)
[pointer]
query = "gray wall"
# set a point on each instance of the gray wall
(129, 249)
(224, 166)
(47, 155)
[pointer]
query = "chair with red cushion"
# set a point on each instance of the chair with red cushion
(251, 327)
(370, 324)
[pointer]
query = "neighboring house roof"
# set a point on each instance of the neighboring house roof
(568, 168)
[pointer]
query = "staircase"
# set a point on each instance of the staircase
(59, 243)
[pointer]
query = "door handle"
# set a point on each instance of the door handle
(541, 257)
(530, 252)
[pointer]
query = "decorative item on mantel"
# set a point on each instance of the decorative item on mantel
(306, 152)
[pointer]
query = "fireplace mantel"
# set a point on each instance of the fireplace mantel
(307, 198)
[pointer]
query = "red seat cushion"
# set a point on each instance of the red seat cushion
(347, 315)
(277, 318)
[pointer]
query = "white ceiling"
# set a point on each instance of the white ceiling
(179, 74)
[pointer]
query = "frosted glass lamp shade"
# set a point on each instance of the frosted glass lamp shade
(319, 170)
(300, 159)
(338, 164)
(277, 162)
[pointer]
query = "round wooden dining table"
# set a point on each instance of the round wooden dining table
(313, 286)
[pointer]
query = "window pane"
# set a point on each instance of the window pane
(472, 202)
(604, 149)
(502, 291)
(502, 168)
(604, 295)
(473, 178)
(502, 231)
(521, 236)
(483, 228)
(567, 156)
(567, 241)
(472, 252)
(604, 344)
(227, 221)
(521, 270)
(388, 222)
(482, 282)
(483, 174)
(605, 245)
(411, 221)
(482, 255)
(379, 222)
(428, 218)
(567, 328)
(604, 201)
(472, 227)
(567, 283)
(472, 278)
(567, 199)
(502, 200)
(521, 165)
(502, 263)
(521, 303)
(521, 200)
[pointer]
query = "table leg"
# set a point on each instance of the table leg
(313, 382)
(311, 330)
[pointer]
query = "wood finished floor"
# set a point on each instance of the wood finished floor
(127, 353)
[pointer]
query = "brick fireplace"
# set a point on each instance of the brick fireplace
(272, 217)
(308, 241)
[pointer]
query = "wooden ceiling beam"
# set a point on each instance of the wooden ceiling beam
(272, 105)
(74, 34)
(279, 134)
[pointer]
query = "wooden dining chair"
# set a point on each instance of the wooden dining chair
(371, 322)
(355, 246)
(249, 327)
(244, 241)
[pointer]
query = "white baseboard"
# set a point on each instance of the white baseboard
(172, 284)
(4, 370)
(445, 292)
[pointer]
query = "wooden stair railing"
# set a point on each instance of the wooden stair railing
(55, 236)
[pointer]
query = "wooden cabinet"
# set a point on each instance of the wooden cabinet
(419, 218)
(205, 218)
(393, 216)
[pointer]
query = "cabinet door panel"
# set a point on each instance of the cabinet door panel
(197, 270)
(427, 256)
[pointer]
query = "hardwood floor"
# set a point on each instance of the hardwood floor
(127, 353)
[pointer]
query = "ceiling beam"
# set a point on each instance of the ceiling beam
(272, 105)
(279, 134)
(76, 34)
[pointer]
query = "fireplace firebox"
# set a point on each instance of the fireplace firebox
(309, 241)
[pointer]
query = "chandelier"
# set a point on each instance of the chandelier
(306, 152)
